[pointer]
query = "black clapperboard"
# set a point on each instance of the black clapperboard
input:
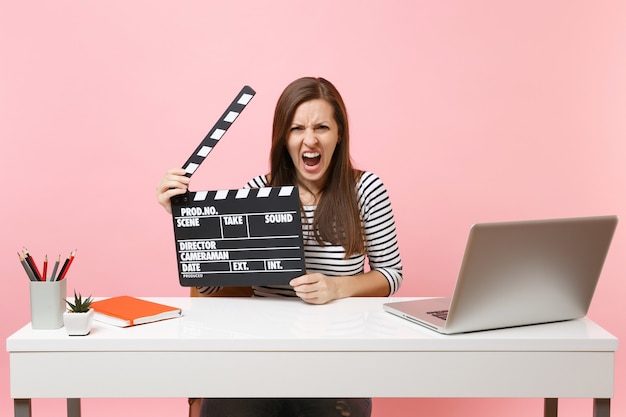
(236, 237)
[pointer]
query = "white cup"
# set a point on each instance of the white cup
(47, 304)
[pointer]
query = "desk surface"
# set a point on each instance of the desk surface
(238, 324)
(233, 346)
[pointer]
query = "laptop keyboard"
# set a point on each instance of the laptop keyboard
(440, 314)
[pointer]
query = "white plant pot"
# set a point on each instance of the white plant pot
(78, 324)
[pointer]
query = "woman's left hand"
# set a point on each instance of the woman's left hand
(315, 288)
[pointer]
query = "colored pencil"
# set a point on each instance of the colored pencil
(45, 269)
(71, 259)
(54, 270)
(62, 271)
(32, 264)
(29, 272)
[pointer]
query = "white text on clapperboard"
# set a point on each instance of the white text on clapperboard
(194, 252)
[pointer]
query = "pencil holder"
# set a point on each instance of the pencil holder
(47, 304)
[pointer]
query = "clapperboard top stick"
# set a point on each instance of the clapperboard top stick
(221, 126)
(236, 237)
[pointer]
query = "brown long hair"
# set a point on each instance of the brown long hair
(337, 218)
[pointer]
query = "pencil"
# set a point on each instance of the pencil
(32, 264)
(71, 258)
(63, 268)
(29, 272)
(45, 268)
(54, 270)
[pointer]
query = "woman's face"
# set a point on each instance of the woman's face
(311, 141)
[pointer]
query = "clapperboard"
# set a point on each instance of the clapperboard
(236, 237)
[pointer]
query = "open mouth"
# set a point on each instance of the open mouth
(311, 158)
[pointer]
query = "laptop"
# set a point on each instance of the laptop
(519, 273)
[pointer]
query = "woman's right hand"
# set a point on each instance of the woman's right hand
(173, 183)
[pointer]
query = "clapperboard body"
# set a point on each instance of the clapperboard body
(236, 237)
(239, 237)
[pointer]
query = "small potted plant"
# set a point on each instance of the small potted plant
(79, 316)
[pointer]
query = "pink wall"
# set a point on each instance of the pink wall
(469, 110)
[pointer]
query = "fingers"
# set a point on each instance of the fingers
(174, 178)
(312, 288)
(164, 198)
(174, 182)
(306, 283)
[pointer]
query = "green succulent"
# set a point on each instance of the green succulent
(79, 305)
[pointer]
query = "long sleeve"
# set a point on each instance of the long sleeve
(382, 247)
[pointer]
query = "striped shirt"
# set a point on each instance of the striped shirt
(381, 243)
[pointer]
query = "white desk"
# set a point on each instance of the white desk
(228, 347)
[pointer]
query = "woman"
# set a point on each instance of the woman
(346, 217)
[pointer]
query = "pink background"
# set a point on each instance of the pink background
(470, 111)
